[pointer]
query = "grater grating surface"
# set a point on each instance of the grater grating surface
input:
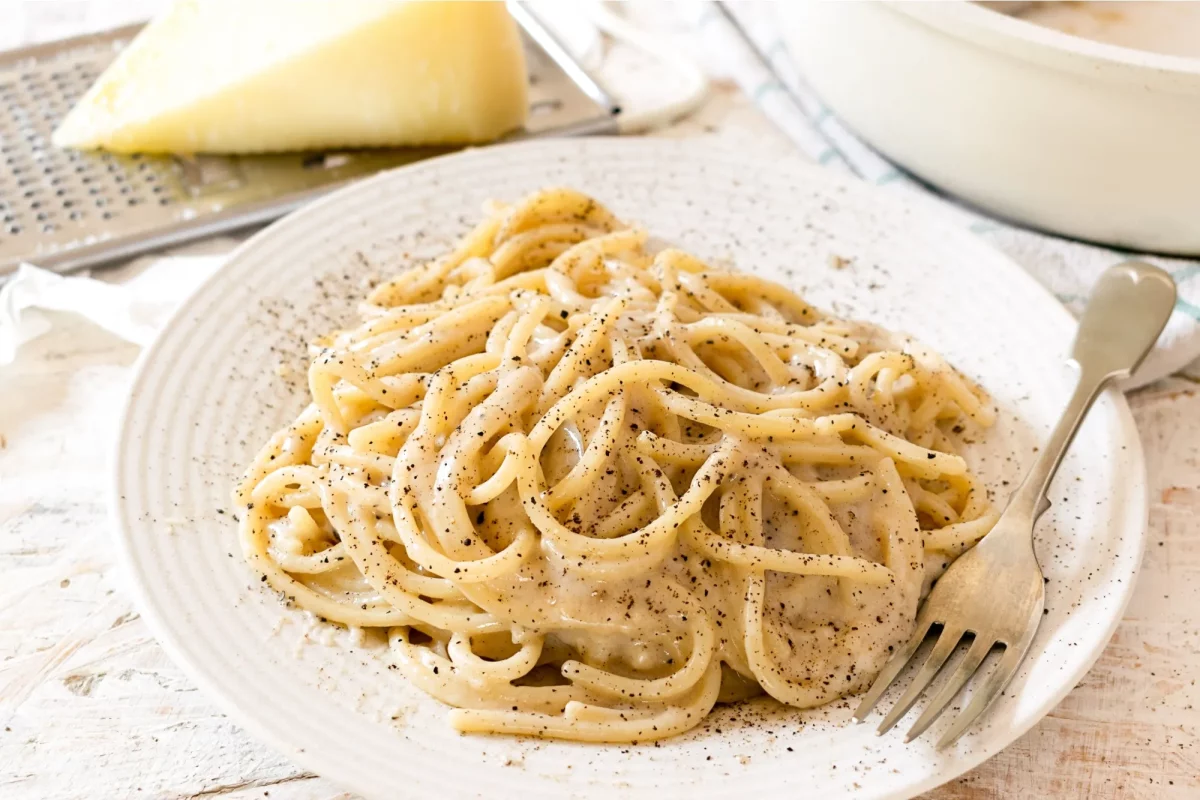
(64, 209)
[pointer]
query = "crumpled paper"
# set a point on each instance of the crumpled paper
(135, 310)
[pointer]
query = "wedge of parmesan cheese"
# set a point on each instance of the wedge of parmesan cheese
(245, 76)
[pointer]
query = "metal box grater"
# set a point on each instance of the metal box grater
(65, 210)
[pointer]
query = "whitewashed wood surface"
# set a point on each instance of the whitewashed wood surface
(90, 706)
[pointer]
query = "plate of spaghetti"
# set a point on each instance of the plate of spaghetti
(604, 467)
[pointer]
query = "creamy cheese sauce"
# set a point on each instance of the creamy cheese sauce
(1169, 28)
(590, 489)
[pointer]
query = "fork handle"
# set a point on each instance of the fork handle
(1126, 312)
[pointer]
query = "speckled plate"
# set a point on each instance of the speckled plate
(229, 369)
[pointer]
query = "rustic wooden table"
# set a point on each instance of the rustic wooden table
(90, 706)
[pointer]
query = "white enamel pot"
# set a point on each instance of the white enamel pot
(1077, 137)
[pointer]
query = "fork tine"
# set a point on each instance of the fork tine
(987, 694)
(962, 673)
(941, 651)
(892, 668)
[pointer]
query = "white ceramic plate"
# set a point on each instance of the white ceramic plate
(210, 391)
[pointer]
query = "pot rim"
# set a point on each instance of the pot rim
(1028, 41)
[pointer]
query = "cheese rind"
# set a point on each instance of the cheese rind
(225, 76)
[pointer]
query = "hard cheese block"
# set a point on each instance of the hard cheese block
(244, 76)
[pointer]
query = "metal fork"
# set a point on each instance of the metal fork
(995, 592)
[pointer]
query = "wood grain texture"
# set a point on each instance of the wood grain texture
(90, 706)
